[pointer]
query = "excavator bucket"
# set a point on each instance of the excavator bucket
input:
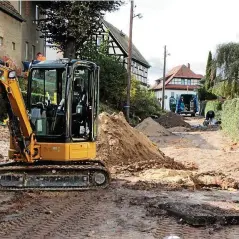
(48, 176)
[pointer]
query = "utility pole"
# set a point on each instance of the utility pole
(129, 59)
(164, 73)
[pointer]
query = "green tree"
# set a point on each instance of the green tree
(68, 24)
(143, 102)
(227, 60)
(227, 63)
(113, 75)
(208, 71)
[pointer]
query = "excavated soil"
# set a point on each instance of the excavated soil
(170, 120)
(151, 128)
(4, 143)
(123, 148)
(4, 133)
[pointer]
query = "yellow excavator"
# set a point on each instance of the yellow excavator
(53, 127)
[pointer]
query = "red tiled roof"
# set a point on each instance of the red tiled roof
(8, 8)
(178, 72)
(185, 72)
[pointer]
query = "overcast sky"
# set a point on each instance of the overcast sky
(189, 28)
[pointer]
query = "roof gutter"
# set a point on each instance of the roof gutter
(20, 19)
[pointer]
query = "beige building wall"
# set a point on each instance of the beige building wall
(31, 41)
(21, 41)
(10, 39)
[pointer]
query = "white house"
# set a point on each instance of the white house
(180, 80)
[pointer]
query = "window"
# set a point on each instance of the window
(176, 81)
(189, 81)
(195, 82)
(182, 81)
(13, 46)
(1, 41)
(33, 52)
(172, 94)
(99, 40)
(44, 88)
(36, 14)
(26, 50)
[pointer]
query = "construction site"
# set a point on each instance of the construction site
(170, 177)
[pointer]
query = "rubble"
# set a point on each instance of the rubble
(123, 147)
(4, 135)
(152, 129)
(170, 120)
(4, 143)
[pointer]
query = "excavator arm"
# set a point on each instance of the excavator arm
(22, 136)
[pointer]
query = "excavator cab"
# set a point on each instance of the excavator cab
(53, 133)
(63, 101)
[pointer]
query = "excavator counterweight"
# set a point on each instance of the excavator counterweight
(53, 128)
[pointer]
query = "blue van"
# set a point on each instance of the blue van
(187, 104)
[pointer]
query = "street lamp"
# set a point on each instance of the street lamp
(132, 16)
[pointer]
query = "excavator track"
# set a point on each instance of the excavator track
(50, 176)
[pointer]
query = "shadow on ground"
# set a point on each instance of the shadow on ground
(183, 140)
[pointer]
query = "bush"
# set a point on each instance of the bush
(107, 108)
(143, 103)
(230, 118)
(227, 89)
(3, 110)
(216, 106)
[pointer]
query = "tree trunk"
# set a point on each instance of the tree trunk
(70, 51)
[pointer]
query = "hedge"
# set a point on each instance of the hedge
(230, 118)
(216, 106)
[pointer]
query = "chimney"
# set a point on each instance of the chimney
(188, 65)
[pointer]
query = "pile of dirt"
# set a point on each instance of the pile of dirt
(152, 129)
(124, 148)
(170, 120)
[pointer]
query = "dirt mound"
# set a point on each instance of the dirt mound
(122, 147)
(170, 120)
(151, 128)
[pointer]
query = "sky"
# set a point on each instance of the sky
(189, 29)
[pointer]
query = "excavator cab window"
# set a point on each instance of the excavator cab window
(80, 104)
(63, 101)
(47, 89)
(84, 103)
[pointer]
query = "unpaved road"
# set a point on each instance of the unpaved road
(116, 212)
(209, 150)
(129, 210)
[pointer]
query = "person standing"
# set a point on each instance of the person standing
(40, 57)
